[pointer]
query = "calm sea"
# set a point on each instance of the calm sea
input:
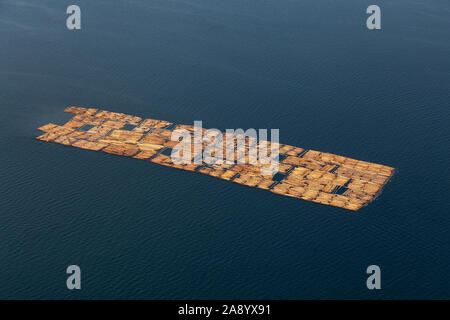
(310, 68)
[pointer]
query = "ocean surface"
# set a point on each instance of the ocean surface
(310, 68)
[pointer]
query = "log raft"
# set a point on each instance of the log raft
(310, 175)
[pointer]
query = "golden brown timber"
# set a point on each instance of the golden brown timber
(306, 174)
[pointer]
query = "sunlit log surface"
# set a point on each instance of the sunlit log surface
(305, 174)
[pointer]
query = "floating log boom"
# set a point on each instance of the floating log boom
(310, 175)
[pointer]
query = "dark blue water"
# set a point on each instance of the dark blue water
(310, 68)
